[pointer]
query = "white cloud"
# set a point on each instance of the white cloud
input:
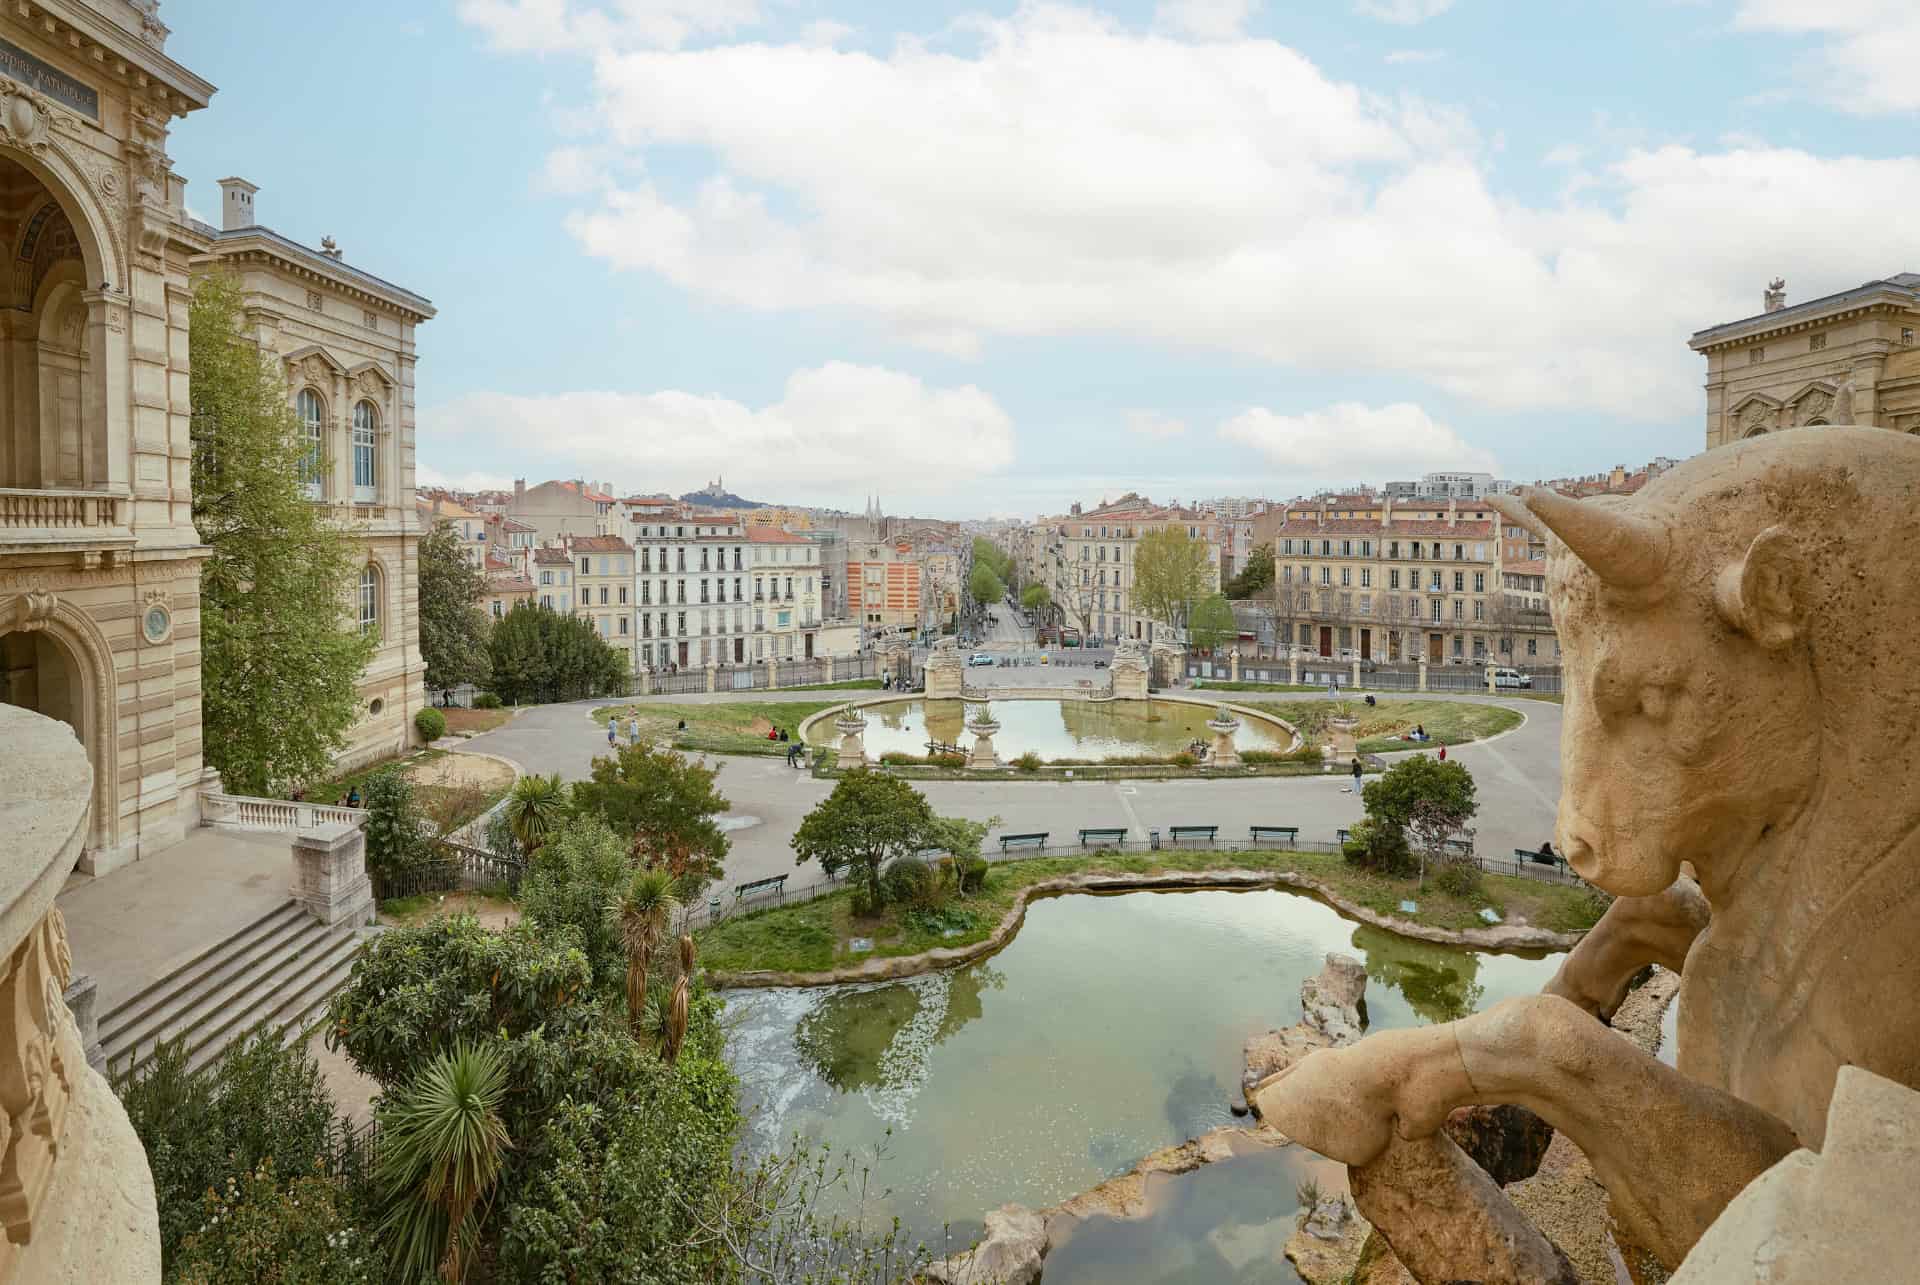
(1871, 48)
(1146, 423)
(1204, 19)
(1403, 13)
(1398, 57)
(1093, 179)
(1349, 440)
(575, 26)
(428, 475)
(838, 432)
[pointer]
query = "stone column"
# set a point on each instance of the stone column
(1491, 687)
(1423, 673)
(1233, 666)
(330, 875)
(773, 673)
(713, 676)
(1356, 673)
(1293, 666)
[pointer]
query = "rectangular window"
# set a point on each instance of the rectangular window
(1459, 609)
(1459, 582)
(1326, 575)
(680, 591)
(680, 623)
(1436, 608)
(623, 595)
(1346, 575)
(1533, 647)
(1346, 604)
(1326, 548)
(603, 595)
(1479, 609)
(1366, 548)
(1459, 553)
(1366, 577)
(1366, 604)
(586, 566)
(703, 591)
(1393, 549)
(1393, 578)
(1479, 582)
(1346, 548)
(1286, 575)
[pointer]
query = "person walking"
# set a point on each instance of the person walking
(613, 731)
(1356, 774)
(633, 730)
(1443, 753)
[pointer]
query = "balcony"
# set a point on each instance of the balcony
(61, 518)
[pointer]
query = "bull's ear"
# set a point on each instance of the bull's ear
(1763, 595)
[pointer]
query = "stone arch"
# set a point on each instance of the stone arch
(37, 614)
(1755, 431)
(68, 185)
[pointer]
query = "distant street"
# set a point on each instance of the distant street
(1518, 775)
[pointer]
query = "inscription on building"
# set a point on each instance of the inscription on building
(22, 66)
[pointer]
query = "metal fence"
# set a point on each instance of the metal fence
(1324, 672)
(755, 676)
(452, 867)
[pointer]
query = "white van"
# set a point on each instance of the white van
(1511, 678)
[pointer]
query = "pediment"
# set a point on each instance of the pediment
(314, 365)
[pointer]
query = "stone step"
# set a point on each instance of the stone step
(281, 969)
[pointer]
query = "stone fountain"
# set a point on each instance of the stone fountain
(1223, 725)
(850, 724)
(982, 724)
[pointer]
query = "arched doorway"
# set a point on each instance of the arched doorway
(54, 662)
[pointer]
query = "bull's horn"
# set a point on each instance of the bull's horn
(1624, 551)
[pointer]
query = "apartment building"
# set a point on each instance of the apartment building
(553, 579)
(1086, 560)
(786, 594)
(883, 585)
(564, 508)
(469, 527)
(603, 584)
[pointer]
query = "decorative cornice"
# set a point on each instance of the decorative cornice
(105, 49)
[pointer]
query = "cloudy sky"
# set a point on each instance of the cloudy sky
(992, 256)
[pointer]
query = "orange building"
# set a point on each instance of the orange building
(883, 585)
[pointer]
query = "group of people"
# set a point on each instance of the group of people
(633, 731)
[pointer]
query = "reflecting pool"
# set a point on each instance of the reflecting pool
(1110, 1026)
(1053, 728)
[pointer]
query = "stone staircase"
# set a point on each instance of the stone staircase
(279, 970)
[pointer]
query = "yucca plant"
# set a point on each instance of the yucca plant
(642, 911)
(678, 1005)
(442, 1143)
(534, 809)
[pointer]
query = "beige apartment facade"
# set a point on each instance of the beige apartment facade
(1850, 357)
(346, 340)
(603, 583)
(99, 559)
(1086, 561)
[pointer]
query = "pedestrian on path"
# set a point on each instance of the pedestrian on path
(633, 730)
(1356, 774)
(1443, 753)
(613, 731)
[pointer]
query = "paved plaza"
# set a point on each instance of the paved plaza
(1518, 774)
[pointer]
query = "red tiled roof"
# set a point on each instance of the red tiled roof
(601, 544)
(509, 584)
(1530, 567)
(552, 557)
(1466, 529)
(774, 535)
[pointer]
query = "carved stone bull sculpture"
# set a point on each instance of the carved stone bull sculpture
(1742, 697)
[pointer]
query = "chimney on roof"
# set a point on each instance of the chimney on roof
(1453, 510)
(519, 488)
(236, 204)
(1386, 513)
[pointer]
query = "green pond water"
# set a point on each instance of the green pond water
(1110, 1026)
(1053, 728)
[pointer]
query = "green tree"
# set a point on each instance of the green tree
(1035, 597)
(664, 803)
(442, 1146)
(1212, 624)
(280, 662)
(1170, 573)
(565, 891)
(517, 654)
(984, 587)
(1433, 799)
(641, 910)
(453, 628)
(535, 806)
(868, 820)
(1256, 576)
(537, 654)
(398, 842)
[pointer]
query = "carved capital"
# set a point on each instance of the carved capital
(39, 1055)
(32, 610)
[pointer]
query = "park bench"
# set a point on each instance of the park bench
(776, 883)
(1289, 833)
(1179, 832)
(1553, 859)
(1341, 836)
(1030, 840)
(1118, 834)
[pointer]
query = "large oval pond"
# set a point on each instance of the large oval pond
(1091, 730)
(1110, 1026)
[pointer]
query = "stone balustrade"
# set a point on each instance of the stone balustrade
(52, 515)
(275, 816)
(76, 1196)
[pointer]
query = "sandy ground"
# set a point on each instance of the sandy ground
(464, 769)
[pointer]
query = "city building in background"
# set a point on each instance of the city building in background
(604, 583)
(1086, 559)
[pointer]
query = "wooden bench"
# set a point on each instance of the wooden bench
(1289, 833)
(777, 883)
(1554, 859)
(1118, 834)
(1176, 833)
(1030, 840)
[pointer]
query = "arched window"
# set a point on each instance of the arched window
(365, 421)
(370, 599)
(312, 414)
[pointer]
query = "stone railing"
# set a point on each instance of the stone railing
(61, 514)
(276, 816)
(76, 1197)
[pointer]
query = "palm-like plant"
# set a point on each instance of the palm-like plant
(534, 808)
(442, 1143)
(677, 1006)
(642, 911)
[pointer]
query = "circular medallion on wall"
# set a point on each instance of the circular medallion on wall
(157, 624)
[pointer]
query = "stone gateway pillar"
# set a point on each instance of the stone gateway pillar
(330, 876)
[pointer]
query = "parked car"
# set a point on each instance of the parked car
(1099, 664)
(1511, 678)
(979, 658)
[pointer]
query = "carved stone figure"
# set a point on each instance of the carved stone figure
(1735, 662)
(1841, 412)
(1776, 294)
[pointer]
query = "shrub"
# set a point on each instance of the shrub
(1458, 878)
(944, 920)
(863, 906)
(1260, 758)
(947, 760)
(906, 880)
(567, 891)
(398, 845)
(1182, 759)
(260, 1103)
(259, 1228)
(486, 700)
(900, 758)
(1028, 762)
(1308, 751)
(1071, 762)
(430, 723)
(973, 874)
(1377, 845)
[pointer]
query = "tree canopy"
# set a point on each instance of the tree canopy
(1212, 624)
(984, 587)
(868, 820)
(988, 554)
(540, 655)
(453, 628)
(1255, 576)
(1035, 597)
(664, 804)
(1170, 573)
(280, 660)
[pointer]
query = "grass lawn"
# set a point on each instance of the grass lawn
(737, 727)
(850, 685)
(813, 937)
(1447, 722)
(474, 721)
(492, 907)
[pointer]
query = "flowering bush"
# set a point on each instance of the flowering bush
(255, 1228)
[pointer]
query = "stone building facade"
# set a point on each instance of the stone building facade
(99, 559)
(603, 583)
(346, 339)
(1086, 562)
(786, 594)
(1851, 357)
